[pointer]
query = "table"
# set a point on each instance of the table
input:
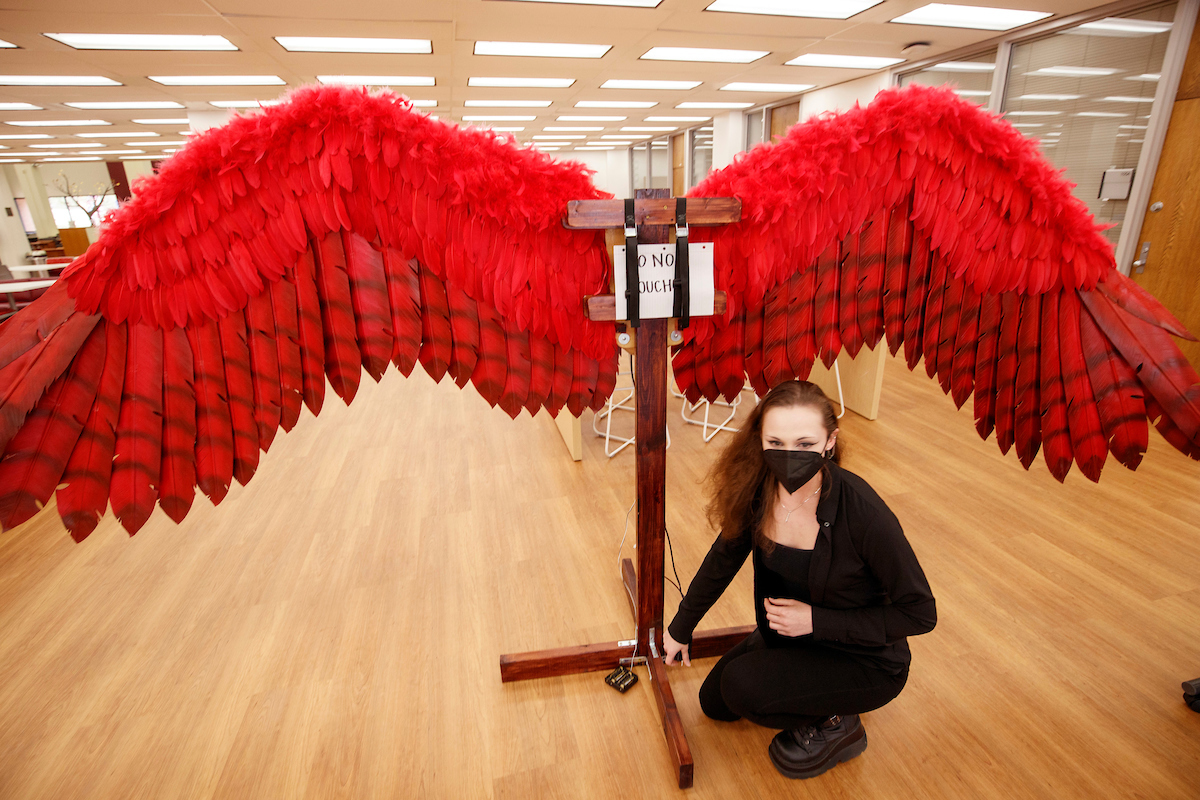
(29, 269)
(10, 288)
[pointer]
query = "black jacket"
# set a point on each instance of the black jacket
(868, 590)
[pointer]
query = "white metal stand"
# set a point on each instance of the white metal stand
(618, 402)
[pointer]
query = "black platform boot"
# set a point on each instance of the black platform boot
(809, 751)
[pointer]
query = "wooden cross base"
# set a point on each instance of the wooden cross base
(654, 208)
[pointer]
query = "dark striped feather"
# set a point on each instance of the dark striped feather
(985, 364)
(914, 301)
(312, 336)
(1027, 416)
(137, 457)
(239, 392)
(287, 342)
(541, 371)
(264, 367)
(437, 339)
(464, 328)
(560, 384)
(1006, 369)
(962, 369)
(516, 385)
(872, 257)
(342, 356)
(683, 366)
(491, 368)
(369, 299)
(776, 367)
(753, 349)
(935, 303)
(729, 362)
(829, 341)
(1056, 435)
(802, 320)
(404, 297)
(214, 427)
(899, 247)
(177, 488)
(1083, 415)
(1118, 394)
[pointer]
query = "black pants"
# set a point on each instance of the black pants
(790, 687)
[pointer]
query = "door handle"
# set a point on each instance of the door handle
(1140, 264)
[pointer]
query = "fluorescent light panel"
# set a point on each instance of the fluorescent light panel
(107, 152)
(616, 104)
(585, 118)
(521, 83)
(786, 88)
(119, 105)
(703, 104)
(707, 54)
(541, 49)
(68, 146)
(1057, 97)
(172, 143)
(54, 123)
(507, 103)
(235, 103)
(4, 44)
(626, 3)
(638, 129)
(171, 121)
(963, 66)
(497, 118)
(25, 136)
(669, 86)
(378, 80)
(141, 41)
(573, 128)
(558, 136)
(629, 136)
(74, 158)
(19, 107)
(56, 80)
(821, 9)
(677, 119)
(1075, 72)
(1142, 27)
(218, 80)
(944, 15)
(348, 44)
(842, 62)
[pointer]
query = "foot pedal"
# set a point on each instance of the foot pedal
(622, 679)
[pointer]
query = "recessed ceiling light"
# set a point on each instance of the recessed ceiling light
(982, 18)
(661, 85)
(108, 135)
(677, 119)
(69, 146)
(707, 54)
(11, 161)
(541, 49)
(616, 104)
(54, 123)
(558, 136)
(651, 129)
(1119, 25)
(122, 105)
(19, 107)
(823, 9)
(235, 103)
(627, 3)
(5, 44)
(521, 83)
(1145, 76)
(1057, 97)
(508, 128)
(972, 92)
(497, 118)
(35, 154)
(346, 44)
(578, 118)
(378, 80)
(551, 143)
(56, 80)
(218, 80)
(171, 121)
(630, 136)
(1031, 113)
(138, 158)
(702, 104)
(596, 147)
(424, 103)
(842, 62)
(573, 128)
(74, 158)
(108, 152)
(33, 136)
(1075, 72)
(507, 103)
(171, 143)
(963, 66)
(141, 41)
(1100, 114)
(1123, 99)
(766, 87)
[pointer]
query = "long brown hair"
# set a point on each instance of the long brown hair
(740, 476)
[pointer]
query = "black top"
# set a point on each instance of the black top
(783, 572)
(866, 587)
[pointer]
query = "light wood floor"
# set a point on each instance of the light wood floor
(333, 630)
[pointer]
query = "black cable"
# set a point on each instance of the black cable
(676, 583)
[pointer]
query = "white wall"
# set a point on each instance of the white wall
(89, 177)
(729, 137)
(25, 180)
(14, 247)
(843, 96)
(611, 166)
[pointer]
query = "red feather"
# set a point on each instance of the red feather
(899, 252)
(239, 388)
(541, 357)
(985, 364)
(214, 427)
(369, 295)
(491, 368)
(560, 385)
(22, 332)
(1083, 416)
(948, 330)
(606, 379)
(1169, 430)
(342, 356)
(516, 387)
(1137, 301)
(404, 296)
(729, 365)
(826, 301)
(436, 336)
(464, 328)
(1118, 395)
(137, 458)
(753, 349)
(802, 342)
(776, 368)
(264, 367)
(84, 494)
(962, 369)
(177, 490)
(1027, 417)
(584, 373)
(706, 384)
(872, 256)
(312, 337)
(914, 301)
(848, 299)
(1056, 435)
(287, 341)
(37, 456)
(1006, 369)
(934, 306)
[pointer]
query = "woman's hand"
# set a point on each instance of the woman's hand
(671, 648)
(789, 617)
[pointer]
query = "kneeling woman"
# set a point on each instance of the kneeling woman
(837, 587)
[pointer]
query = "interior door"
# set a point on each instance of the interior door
(1170, 237)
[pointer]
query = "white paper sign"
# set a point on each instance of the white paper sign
(656, 271)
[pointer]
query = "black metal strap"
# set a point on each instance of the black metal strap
(682, 286)
(631, 265)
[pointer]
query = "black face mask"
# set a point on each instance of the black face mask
(793, 468)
